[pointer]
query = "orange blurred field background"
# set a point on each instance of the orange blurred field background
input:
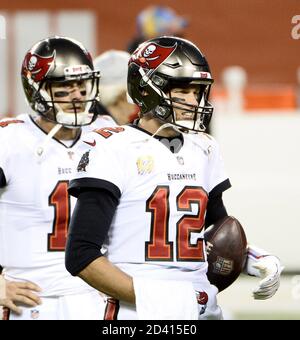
(253, 34)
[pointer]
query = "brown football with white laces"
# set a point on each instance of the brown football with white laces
(226, 246)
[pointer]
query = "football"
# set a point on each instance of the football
(226, 247)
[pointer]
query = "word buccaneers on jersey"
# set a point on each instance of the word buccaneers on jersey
(160, 217)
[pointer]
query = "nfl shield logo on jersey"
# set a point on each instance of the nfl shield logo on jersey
(180, 160)
(145, 165)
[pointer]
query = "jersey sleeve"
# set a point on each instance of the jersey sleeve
(218, 179)
(98, 167)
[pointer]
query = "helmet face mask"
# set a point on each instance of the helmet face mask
(64, 63)
(195, 115)
(160, 65)
(70, 101)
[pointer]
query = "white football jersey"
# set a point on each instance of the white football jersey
(35, 207)
(157, 229)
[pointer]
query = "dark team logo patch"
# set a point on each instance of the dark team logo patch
(83, 163)
(37, 66)
(151, 55)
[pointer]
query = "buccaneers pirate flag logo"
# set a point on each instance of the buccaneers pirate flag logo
(37, 66)
(151, 55)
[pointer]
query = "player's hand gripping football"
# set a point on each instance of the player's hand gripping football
(268, 268)
(14, 293)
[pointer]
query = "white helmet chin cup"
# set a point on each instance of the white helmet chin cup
(185, 123)
(81, 118)
(191, 124)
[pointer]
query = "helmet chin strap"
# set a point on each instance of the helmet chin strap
(69, 119)
(185, 123)
(190, 124)
(41, 148)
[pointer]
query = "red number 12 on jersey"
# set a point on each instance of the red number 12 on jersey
(159, 248)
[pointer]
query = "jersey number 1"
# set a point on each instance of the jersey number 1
(60, 200)
(159, 248)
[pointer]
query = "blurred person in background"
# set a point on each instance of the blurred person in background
(113, 65)
(155, 21)
(36, 161)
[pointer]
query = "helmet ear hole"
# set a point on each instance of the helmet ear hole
(162, 111)
(159, 81)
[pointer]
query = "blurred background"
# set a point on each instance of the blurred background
(253, 48)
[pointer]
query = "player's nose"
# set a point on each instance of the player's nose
(192, 98)
(76, 94)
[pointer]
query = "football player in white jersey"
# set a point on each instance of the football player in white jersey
(36, 156)
(147, 190)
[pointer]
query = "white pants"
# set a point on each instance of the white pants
(87, 306)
